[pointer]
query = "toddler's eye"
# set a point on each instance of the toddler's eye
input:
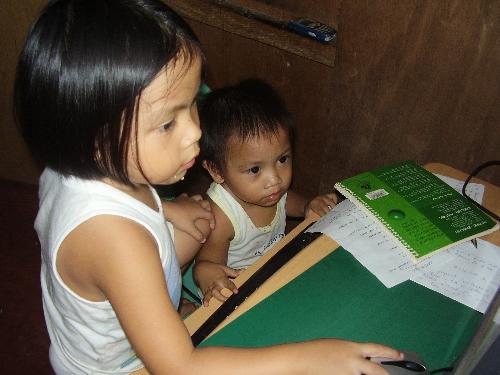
(254, 170)
(283, 159)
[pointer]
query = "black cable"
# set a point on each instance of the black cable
(474, 173)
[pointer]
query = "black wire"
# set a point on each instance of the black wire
(474, 173)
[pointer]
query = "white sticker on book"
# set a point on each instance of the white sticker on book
(376, 194)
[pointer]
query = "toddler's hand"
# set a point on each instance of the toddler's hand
(184, 211)
(212, 278)
(321, 204)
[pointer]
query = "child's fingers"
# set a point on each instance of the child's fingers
(194, 232)
(212, 291)
(205, 205)
(231, 272)
(207, 296)
(329, 201)
(204, 214)
(208, 215)
(377, 350)
(196, 197)
(217, 293)
(225, 283)
(332, 198)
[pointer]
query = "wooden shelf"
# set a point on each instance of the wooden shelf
(209, 13)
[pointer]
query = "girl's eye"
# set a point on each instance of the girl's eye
(254, 170)
(283, 159)
(166, 126)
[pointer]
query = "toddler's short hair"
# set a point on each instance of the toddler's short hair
(249, 109)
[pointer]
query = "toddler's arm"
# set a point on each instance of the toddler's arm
(213, 278)
(210, 271)
(321, 204)
(298, 206)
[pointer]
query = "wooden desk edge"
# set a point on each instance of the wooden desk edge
(280, 278)
(323, 246)
(307, 258)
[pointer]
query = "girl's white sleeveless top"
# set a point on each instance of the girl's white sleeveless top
(86, 336)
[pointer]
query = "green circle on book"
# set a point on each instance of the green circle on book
(396, 214)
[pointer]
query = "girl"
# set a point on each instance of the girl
(105, 97)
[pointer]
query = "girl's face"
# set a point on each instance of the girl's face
(258, 171)
(168, 126)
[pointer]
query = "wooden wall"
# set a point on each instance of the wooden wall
(410, 79)
(415, 80)
(15, 18)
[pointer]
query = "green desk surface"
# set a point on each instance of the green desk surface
(339, 298)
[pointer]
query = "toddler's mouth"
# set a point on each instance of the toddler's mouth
(273, 197)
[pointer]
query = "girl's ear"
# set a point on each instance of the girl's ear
(213, 171)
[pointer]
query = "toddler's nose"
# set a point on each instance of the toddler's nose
(273, 180)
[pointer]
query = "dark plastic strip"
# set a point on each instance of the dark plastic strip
(257, 279)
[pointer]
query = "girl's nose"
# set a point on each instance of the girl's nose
(193, 131)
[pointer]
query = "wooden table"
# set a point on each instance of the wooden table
(315, 252)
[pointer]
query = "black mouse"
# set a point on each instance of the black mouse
(410, 365)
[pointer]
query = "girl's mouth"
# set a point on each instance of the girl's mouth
(189, 164)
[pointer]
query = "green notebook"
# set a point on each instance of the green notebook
(421, 212)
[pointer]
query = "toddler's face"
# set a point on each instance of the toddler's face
(259, 170)
(169, 128)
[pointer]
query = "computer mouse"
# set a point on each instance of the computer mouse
(410, 365)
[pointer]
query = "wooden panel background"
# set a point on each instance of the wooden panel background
(15, 18)
(415, 80)
(412, 79)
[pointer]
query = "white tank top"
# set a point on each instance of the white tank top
(86, 336)
(249, 242)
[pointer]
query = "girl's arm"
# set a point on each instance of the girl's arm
(184, 213)
(113, 258)
(210, 271)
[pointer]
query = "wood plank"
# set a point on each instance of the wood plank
(213, 15)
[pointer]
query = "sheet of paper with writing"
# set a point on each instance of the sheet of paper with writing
(464, 273)
(468, 275)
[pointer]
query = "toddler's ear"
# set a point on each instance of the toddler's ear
(214, 173)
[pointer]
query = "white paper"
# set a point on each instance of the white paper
(367, 242)
(468, 275)
(473, 190)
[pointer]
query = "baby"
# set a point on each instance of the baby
(246, 148)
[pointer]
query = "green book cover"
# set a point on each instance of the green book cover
(423, 213)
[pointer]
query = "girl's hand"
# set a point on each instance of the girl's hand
(184, 211)
(212, 278)
(346, 357)
(321, 204)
